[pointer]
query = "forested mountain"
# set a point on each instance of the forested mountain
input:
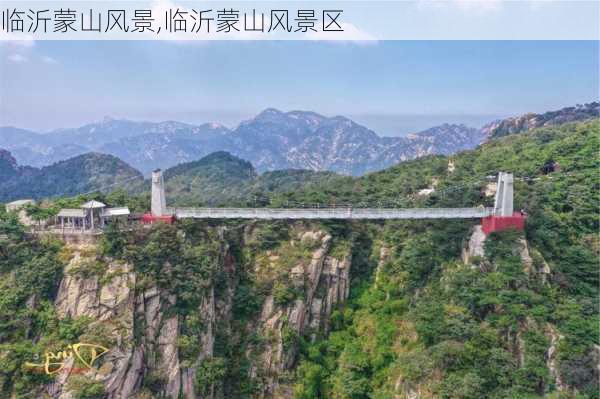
(81, 174)
(331, 309)
(516, 319)
(8, 165)
(223, 179)
(215, 180)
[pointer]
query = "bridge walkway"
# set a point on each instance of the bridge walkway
(330, 213)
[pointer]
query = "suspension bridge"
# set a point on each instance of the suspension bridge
(500, 216)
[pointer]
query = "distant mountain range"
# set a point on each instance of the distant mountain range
(273, 140)
(304, 146)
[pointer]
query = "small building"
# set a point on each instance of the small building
(19, 207)
(451, 166)
(118, 215)
(490, 189)
(74, 219)
(426, 191)
(93, 210)
(92, 215)
(19, 204)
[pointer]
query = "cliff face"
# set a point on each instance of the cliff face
(198, 311)
(254, 310)
(108, 300)
(537, 272)
(322, 283)
(143, 328)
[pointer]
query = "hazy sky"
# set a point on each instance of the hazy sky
(393, 87)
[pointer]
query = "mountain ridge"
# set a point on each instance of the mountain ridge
(531, 120)
(271, 140)
(83, 173)
(221, 178)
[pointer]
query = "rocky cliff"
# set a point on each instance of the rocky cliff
(217, 311)
(537, 272)
(526, 122)
(322, 283)
(147, 335)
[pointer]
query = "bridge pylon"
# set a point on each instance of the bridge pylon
(158, 204)
(504, 217)
(503, 205)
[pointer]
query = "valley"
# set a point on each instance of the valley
(340, 309)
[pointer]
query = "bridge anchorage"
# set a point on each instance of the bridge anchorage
(500, 217)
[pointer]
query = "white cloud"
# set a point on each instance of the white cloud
(17, 58)
(24, 41)
(479, 5)
(18, 49)
(350, 33)
(472, 6)
(49, 60)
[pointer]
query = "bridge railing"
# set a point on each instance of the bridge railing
(331, 213)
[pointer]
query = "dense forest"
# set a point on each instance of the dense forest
(395, 309)
(430, 321)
